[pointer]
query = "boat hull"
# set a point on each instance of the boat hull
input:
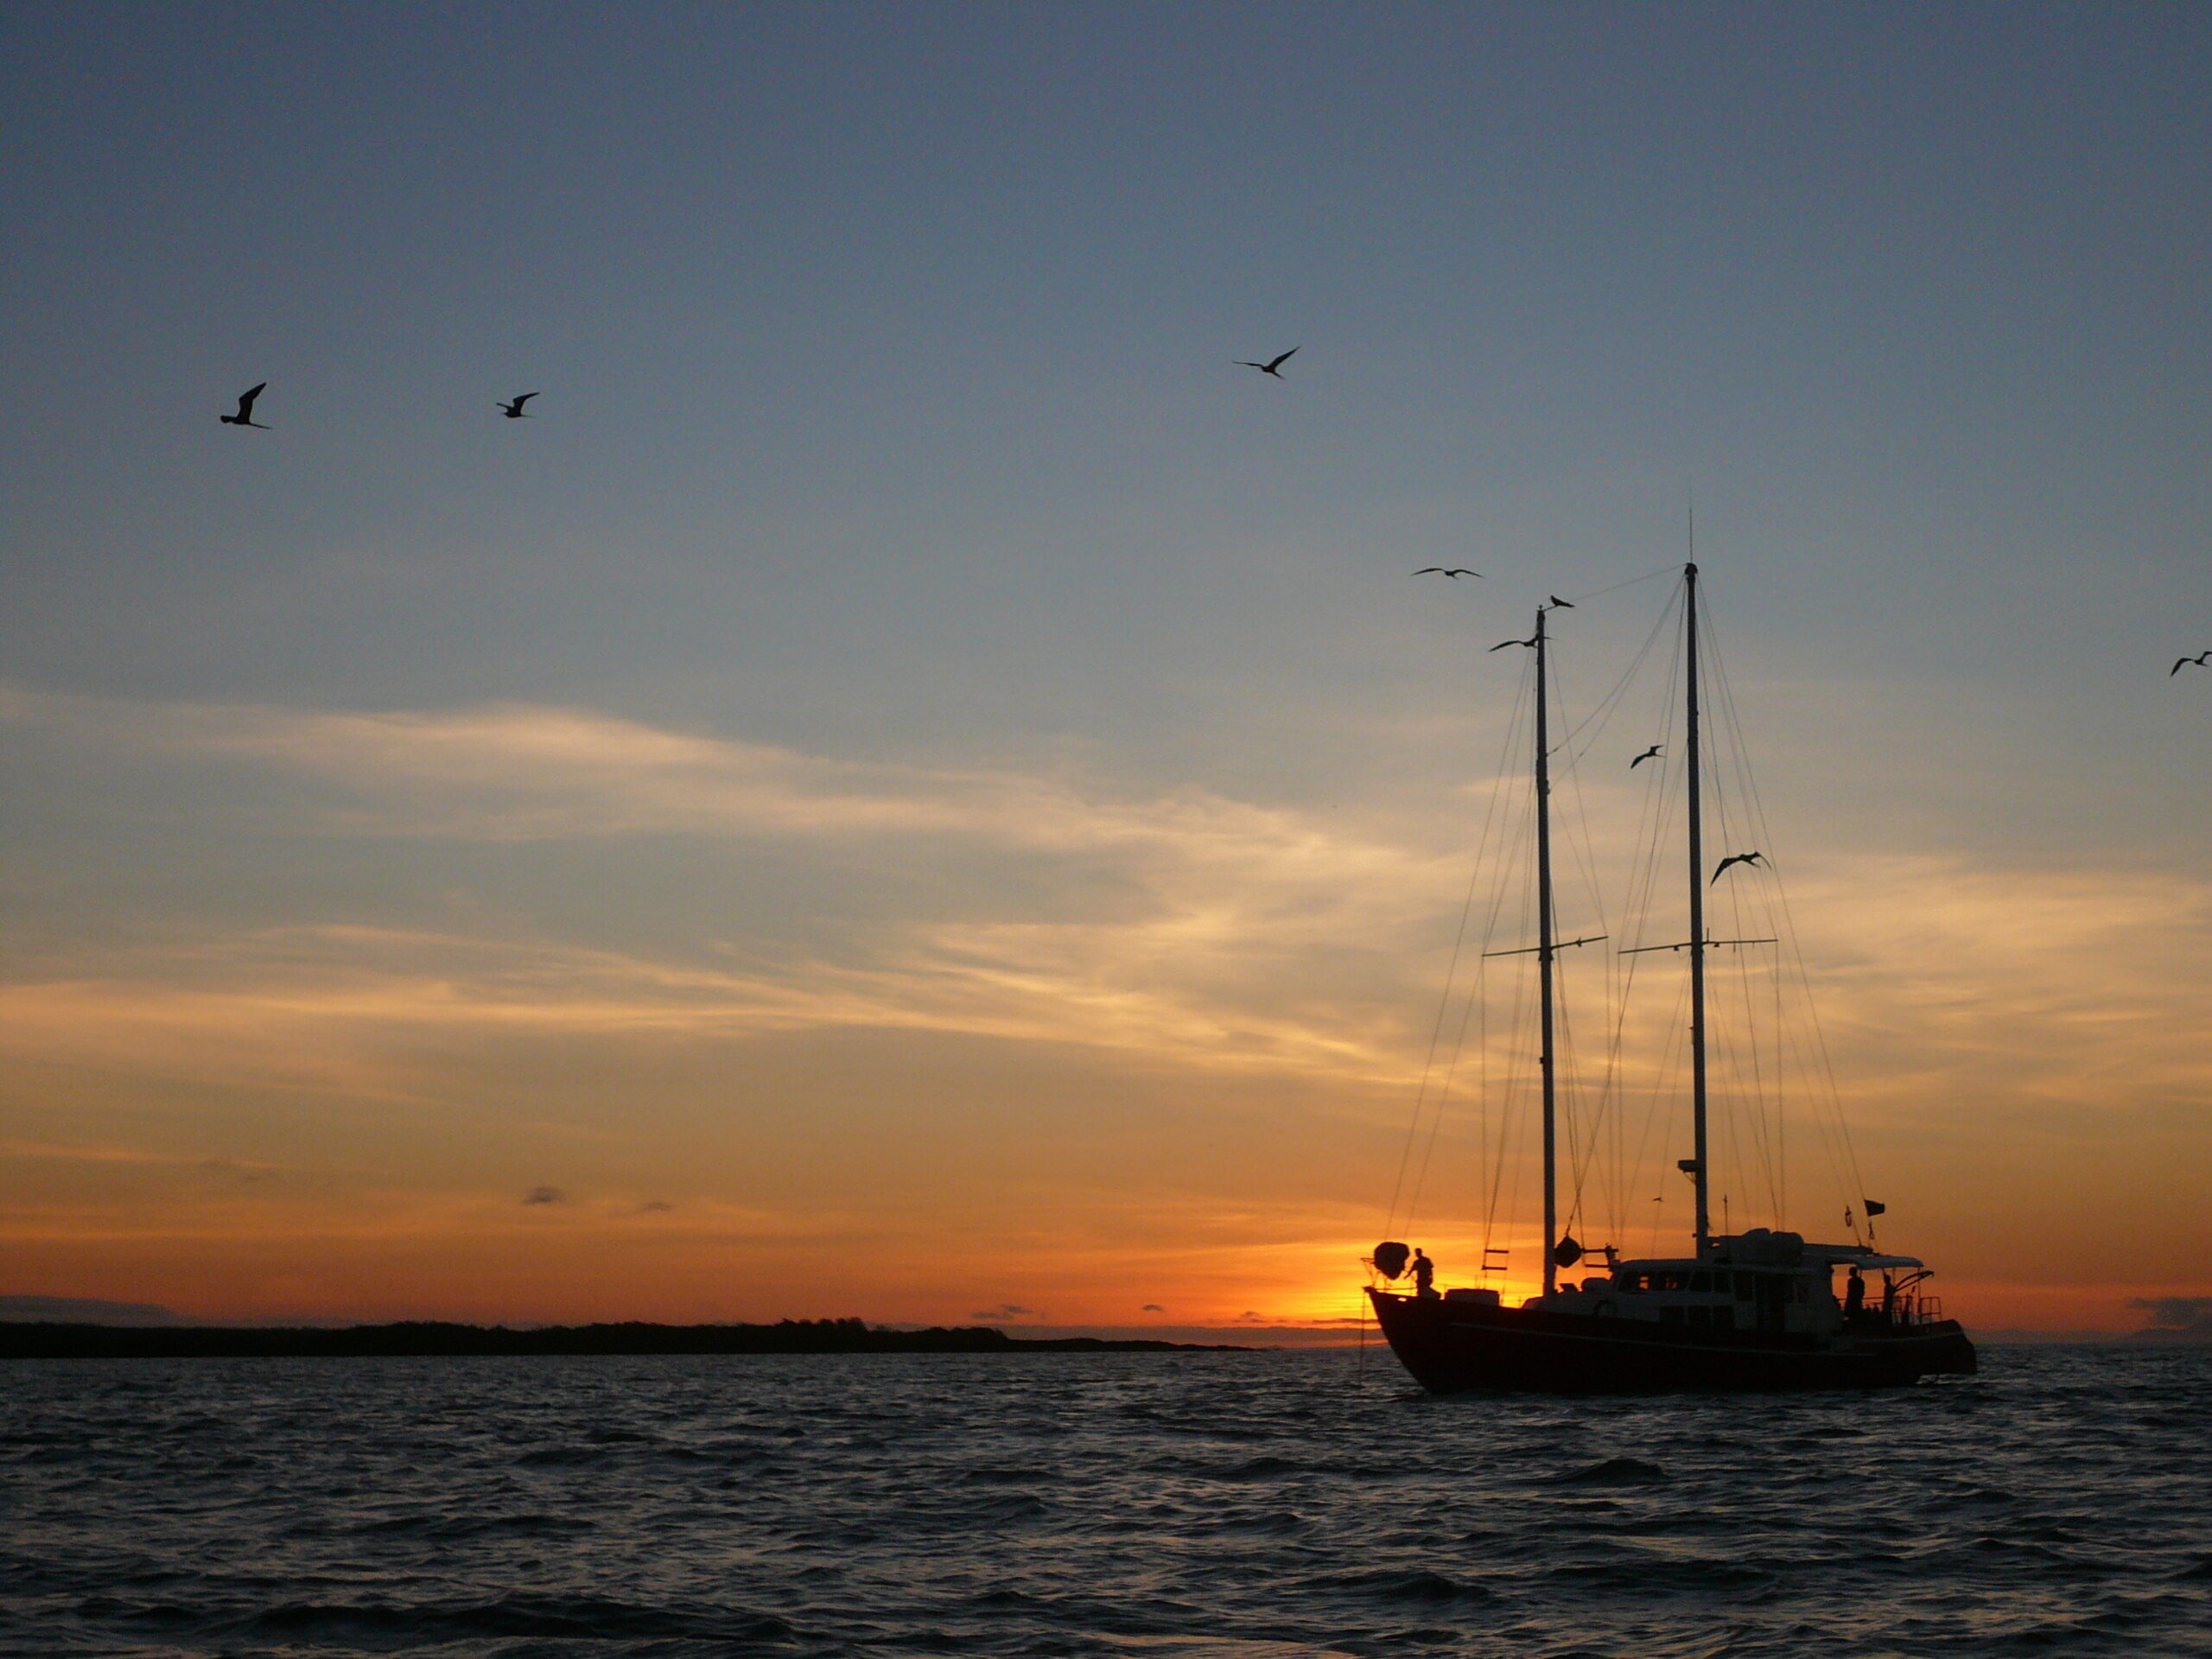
(1451, 1347)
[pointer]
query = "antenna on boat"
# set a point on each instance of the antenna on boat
(1699, 1162)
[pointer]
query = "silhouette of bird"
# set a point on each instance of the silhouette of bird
(1651, 753)
(2186, 661)
(245, 416)
(514, 411)
(1502, 644)
(1274, 367)
(1438, 570)
(1735, 858)
(1559, 604)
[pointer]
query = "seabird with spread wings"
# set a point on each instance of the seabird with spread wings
(245, 416)
(1736, 858)
(1274, 367)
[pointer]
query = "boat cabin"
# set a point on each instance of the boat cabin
(1758, 1281)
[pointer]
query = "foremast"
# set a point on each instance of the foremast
(1545, 951)
(1698, 1163)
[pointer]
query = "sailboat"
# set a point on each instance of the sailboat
(1755, 1310)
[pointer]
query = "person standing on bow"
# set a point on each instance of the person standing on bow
(1424, 1276)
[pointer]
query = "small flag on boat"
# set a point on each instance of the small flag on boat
(1874, 1209)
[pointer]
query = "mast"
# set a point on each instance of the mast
(1544, 951)
(1698, 1164)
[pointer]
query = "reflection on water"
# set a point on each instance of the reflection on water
(1186, 1507)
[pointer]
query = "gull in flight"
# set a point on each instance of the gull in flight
(2182, 663)
(1735, 858)
(245, 416)
(1274, 367)
(1460, 571)
(1651, 753)
(514, 411)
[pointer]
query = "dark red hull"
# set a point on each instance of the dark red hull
(1452, 1346)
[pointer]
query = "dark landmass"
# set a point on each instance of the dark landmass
(54, 1340)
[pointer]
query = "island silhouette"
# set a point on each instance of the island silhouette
(55, 1339)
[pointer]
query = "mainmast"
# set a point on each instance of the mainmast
(1544, 951)
(1699, 1162)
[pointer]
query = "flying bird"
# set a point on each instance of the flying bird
(514, 411)
(1274, 368)
(1502, 644)
(245, 416)
(1460, 571)
(1651, 753)
(1559, 604)
(1735, 858)
(2182, 662)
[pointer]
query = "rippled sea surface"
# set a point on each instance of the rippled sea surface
(1182, 1506)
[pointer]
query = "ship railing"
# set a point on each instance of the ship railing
(1913, 1310)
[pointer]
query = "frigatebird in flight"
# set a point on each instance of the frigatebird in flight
(514, 411)
(1735, 858)
(1274, 367)
(245, 416)
(1438, 570)
(1502, 644)
(1559, 604)
(1651, 753)
(2186, 661)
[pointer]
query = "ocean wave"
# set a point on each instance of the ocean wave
(1255, 1506)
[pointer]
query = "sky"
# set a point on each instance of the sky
(912, 786)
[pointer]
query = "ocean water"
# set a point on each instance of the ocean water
(1196, 1506)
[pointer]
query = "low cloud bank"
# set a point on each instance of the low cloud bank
(2182, 1318)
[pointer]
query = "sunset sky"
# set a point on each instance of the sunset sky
(912, 786)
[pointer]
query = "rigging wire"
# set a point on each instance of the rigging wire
(1444, 1001)
(1822, 1069)
(1649, 575)
(1756, 1071)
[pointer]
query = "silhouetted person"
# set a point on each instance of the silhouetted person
(1424, 1276)
(1854, 1297)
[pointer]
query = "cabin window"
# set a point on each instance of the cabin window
(1700, 1282)
(1675, 1280)
(1629, 1284)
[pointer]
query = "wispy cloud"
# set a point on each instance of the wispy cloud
(518, 772)
(1240, 937)
(1247, 936)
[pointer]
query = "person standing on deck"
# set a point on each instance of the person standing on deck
(1424, 1276)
